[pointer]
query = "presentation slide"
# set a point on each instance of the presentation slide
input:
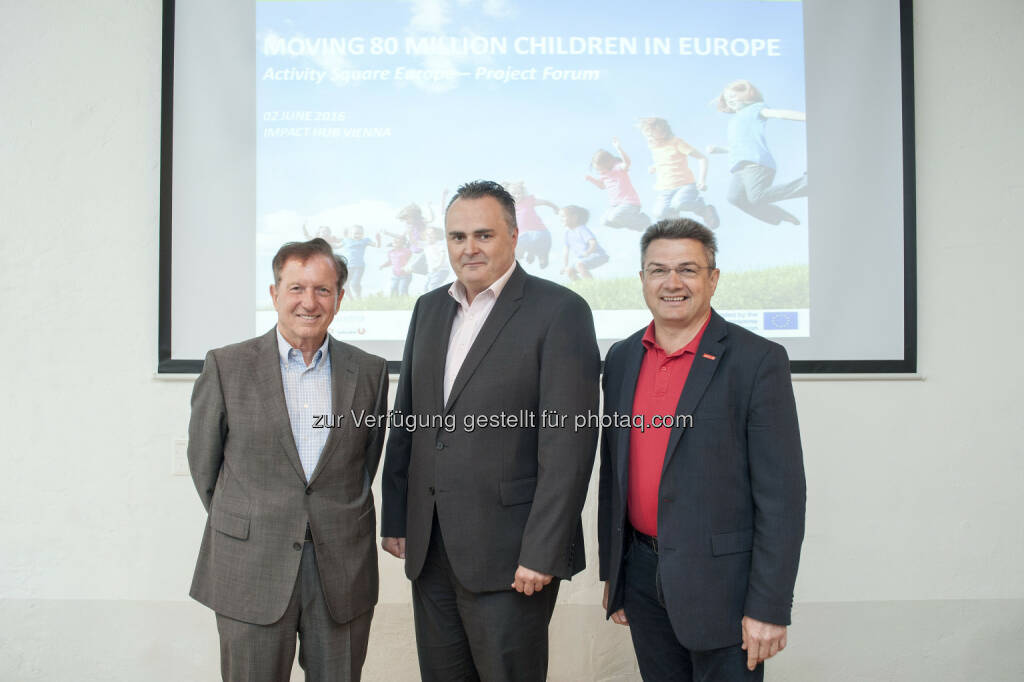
(599, 119)
(785, 126)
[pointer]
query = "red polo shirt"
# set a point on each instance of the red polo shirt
(658, 387)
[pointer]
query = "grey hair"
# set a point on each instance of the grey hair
(680, 228)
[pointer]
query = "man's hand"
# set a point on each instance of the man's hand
(761, 641)
(528, 581)
(617, 617)
(394, 546)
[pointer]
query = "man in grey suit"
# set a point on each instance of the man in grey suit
(283, 467)
(701, 502)
(482, 491)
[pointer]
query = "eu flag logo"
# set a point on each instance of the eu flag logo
(780, 320)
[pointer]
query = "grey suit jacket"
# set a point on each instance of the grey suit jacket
(246, 468)
(504, 496)
(732, 494)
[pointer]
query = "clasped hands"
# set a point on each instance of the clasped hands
(526, 580)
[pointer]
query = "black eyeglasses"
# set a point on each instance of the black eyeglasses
(685, 271)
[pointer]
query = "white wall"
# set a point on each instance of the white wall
(911, 566)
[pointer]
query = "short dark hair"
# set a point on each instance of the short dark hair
(680, 228)
(652, 122)
(478, 189)
(581, 214)
(603, 157)
(303, 251)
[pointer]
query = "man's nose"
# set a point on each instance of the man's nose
(674, 279)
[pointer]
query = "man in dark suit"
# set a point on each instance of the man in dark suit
(701, 507)
(482, 492)
(289, 542)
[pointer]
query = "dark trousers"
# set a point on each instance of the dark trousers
(751, 190)
(660, 655)
(488, 636)
(328, 651)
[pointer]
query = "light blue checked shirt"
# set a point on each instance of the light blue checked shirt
(307, 392)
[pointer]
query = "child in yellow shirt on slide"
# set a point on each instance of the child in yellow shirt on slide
(677, 189)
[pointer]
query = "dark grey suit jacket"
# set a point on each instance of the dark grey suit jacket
(247, 470)
(504, 496)
(732, 494)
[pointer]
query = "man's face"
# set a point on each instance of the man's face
(306, 300)
(480, 246)
(677, 283)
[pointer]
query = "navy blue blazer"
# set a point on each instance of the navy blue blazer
(732, 492)
(508, 495)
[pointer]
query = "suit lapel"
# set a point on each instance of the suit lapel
(708, 356)
(627, 391)
(440, 328)
(344, 374)
(504, 308)
(270, 388)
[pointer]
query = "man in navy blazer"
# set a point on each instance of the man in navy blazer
(485, 514)
(702, 493)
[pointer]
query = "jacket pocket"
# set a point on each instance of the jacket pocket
(230, 524)
(519, 491)
(732, 543)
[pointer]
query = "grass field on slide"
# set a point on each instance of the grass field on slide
(781, 287)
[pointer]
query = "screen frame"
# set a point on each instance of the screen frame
(167, 364)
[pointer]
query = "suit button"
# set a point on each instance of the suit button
(440, 445)
(297, 546)
(308, 491)
(431, 490)
(209, 491)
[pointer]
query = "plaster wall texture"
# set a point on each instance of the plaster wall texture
(910, 568)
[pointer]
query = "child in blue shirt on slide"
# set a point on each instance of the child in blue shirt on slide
(353, 248)
(580, 243)
(752, 165)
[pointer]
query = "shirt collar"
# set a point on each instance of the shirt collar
(458, 290)
(284, 349)
(650, 341)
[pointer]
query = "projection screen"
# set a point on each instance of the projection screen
(786, 125)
